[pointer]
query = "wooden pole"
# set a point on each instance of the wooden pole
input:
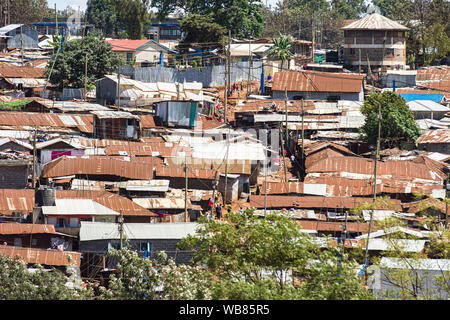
(34, 159)
(185, 187)
(226, 170)
(249, 65)
(227, 51)
(85, 77)
(366, 255)
(121, 229)
(118, 88)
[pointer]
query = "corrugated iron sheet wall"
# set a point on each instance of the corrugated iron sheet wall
(209, 76)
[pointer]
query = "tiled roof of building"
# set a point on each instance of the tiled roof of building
(375, 21)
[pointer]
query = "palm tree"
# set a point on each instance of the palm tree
(281, 49)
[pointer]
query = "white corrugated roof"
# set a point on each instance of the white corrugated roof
(78, 207)
(380, 233)
(236, 151)
(106, 230)
(420, 264)
(426, 105)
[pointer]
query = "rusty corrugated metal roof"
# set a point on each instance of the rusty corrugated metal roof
(257, 201)
(293, 106)
(16, 200)
(176, 172)
(394, 169)
(147, 121)
(343, 187)
(30, 119)
(163, 203)
(110, 200)
(11, 71)
(134, 168)
(26, 228)
(148, 149)
(435, 136)
(334, 226)
(311, 81)
(433, 73)
(42, 256)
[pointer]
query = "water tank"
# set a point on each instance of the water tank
(47, 197)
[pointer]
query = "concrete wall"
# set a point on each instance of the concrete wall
(435, 147)
(372, 44)
(13, 177)
(156, 245)
(353, 96)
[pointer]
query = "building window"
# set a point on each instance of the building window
(144, 246)
(389, 52)
(114, 245)
(333, 98)
(129, 56)
(352, 52)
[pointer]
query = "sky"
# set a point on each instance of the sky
(62, 4)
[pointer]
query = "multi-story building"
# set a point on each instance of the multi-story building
(376, 41)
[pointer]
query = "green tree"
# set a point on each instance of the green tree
(28, 11)
(68, 68)
(429, 27)
(102, 14)
(201, 29)
(20, 284)
(410, 280)
(281, 50)
(140, 278)
(132, 16)
(248, 256)
(397, 121)
(243, 17)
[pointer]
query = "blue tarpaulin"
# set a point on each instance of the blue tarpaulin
(416, 96)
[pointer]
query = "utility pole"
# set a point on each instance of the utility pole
(186, 187)
(366, 256)
(225, 93)
(226, 170)
(446, 201)
(118, 88)
(85, 77)
(56, 20)
(34, 159)
(265, 175)
(121, 229)
(313, 38)
(21, 45)
(303, 128)
(284, 158)
(359, 64)
(249, 64)
(214, 192)
(287, 139)
(229, 57)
